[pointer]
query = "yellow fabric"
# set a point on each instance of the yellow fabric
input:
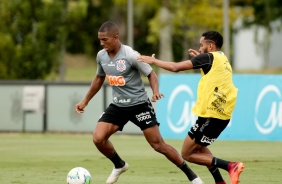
(216, 96)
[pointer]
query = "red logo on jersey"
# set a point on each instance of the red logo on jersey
(121, 65)
(116, 80)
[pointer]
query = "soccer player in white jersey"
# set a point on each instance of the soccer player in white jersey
(118, 64)
(216, 98)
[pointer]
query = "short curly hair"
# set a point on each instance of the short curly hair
(214, 36)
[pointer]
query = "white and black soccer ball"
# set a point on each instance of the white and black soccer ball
(79, 175)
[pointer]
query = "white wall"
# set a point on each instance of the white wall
(248, 55)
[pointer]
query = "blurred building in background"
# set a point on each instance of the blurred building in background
(250, 48)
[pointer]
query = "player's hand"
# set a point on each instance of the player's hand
(146, 59)
(79, 108)
(193, 52)
(156, 97)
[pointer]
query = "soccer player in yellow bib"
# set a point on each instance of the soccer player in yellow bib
(216, 98)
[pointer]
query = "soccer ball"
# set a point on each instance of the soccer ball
(78, 175)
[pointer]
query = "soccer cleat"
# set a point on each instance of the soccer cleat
(197, 181)
(235, 169)
(116, 173)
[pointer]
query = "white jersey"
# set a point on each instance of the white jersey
(123, 73)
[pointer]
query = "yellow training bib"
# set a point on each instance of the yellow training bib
(216, 96)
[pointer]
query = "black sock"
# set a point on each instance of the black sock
(216, 174)
(189, 173)
(117, 161)
(216, 162)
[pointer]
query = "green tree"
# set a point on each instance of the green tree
(144, 10)
(31, 43)
(83, 25)
(34, 34)
(190, 19)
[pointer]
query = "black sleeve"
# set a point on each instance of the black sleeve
(203, 61)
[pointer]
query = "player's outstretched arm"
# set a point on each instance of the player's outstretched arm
(167, 65)
(95, 86)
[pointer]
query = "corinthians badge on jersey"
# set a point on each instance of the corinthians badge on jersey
(121, 65)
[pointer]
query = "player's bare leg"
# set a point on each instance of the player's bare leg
(154, 138)
(101, 136)
(195, 153)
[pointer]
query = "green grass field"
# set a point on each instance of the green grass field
(47, 158)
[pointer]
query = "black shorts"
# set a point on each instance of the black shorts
(206, 130)
(142, 115)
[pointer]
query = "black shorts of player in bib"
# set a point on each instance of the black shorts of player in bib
(206, 130)
(142, 115)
